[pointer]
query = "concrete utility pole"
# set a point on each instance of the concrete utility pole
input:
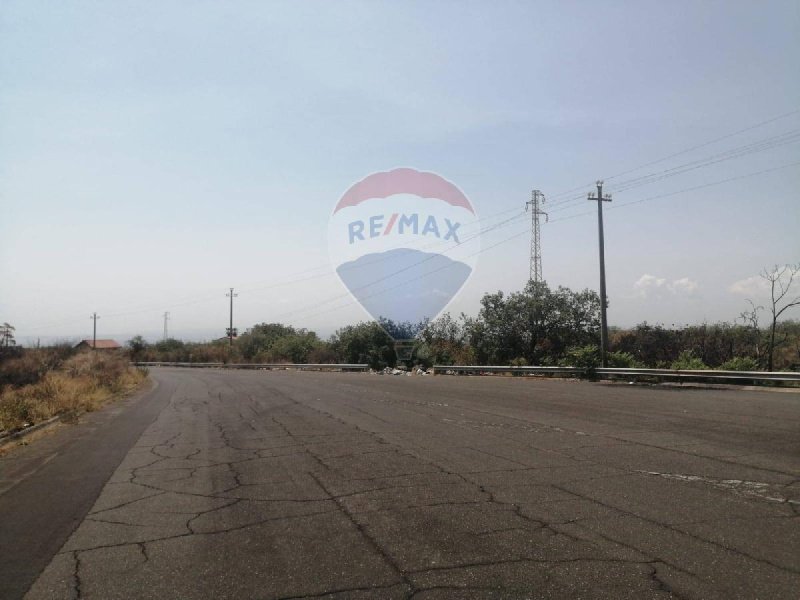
(231, 330)
(166, 330)
(537, 197)
(94, 318)
(603, 301)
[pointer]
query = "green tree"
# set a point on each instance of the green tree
(402, 330)
(445, 341)
(293, 348)
(137, 346)
(537, 324)
(364, 343)
(260, 338)
(652, 345)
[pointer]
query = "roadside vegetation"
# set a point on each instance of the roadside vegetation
(39, 383)
(536, 326)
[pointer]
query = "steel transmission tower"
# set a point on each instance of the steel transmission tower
(535, 204)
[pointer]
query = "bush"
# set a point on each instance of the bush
(137, 347)
(688, 362)
(82, 382)
(623, 360)
(364, 343)
(25, 370)
(520, 361)
(30, 365)
(321, 353)
(740, 363)
(584, 357)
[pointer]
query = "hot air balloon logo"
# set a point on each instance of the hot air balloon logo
(404, 242)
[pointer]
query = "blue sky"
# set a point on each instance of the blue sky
(154, 154)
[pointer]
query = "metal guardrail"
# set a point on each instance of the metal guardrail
(609, 373)
(705, 374)
(626, 373)
(257, 366)
(461, 369)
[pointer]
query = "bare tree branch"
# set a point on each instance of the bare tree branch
(780, 285)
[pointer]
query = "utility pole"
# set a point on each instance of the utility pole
(603, 301)
(166, 330)
(231, 330)
(94, 318)
(537, 197)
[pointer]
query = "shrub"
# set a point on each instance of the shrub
(24, 370)
(30, 365)
(623, 360)
(740, 363)
(688, 362)
(14, 411)
(83, 382)
(364, 343)
(584, 357)
(321, 353)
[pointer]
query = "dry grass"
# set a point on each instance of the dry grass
(83, 382)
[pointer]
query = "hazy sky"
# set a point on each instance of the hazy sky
(154, 154)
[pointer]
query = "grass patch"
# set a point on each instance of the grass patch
(83, 382)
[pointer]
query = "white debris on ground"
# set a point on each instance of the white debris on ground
(400, 371)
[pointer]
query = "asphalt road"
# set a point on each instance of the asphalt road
(293, 485)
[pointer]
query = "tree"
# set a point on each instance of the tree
(260, 338)
(749, 319)
(445, 341)
(7, 335)
(780, 282)
(537, 324)
(653, 345)
(136, 345)
(364, 343)
(294, 348)
(402, 330)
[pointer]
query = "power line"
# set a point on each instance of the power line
(682, 191)
(526, 231)
(190, 300)
(381, 258)
(758, 146)
(708, 143)
(427, 274)
(684, 151)
(564, 218)
(411, 266)
(562, 204)
(764, 144)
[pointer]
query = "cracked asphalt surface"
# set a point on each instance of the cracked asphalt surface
(338, 485)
